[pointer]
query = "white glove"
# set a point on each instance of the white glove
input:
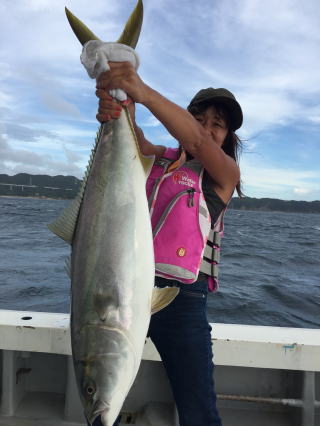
(96, 55)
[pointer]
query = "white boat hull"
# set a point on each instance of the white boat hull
(264, 376)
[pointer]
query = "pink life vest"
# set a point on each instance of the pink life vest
(185, 242)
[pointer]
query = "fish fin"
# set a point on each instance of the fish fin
(131, 32)
(162, 297)
(65, 225)
(129, 36)
(81, 31)
(146, 161)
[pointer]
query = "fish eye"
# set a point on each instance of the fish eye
(90, 390)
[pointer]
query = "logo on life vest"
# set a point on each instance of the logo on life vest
(181, 252)
(181, 177)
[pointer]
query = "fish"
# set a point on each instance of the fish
(112, 262)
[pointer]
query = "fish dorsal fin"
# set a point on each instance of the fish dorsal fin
(65, 225)
(162, 297)
(131, 32)
(146, 161)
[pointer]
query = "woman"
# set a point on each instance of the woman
(207, 153)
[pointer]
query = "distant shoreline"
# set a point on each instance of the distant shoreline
(241, 210)
(45, 187)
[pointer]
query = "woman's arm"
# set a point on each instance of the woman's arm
(178, 121)
(111, 109)
(196, 140)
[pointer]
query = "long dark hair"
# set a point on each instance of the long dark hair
(232, 144)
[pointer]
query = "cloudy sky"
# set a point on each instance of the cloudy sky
(266, 53)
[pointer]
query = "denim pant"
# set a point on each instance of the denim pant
(181, 334)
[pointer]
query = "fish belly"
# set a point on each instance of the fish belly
(112, 267)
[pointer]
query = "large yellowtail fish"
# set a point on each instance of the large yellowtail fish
(112, 264)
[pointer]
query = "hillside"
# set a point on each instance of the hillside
(272, 204)
(66, 187)
(26, 185)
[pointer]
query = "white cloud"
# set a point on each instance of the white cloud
(302, 191)
(151, 121)
(313, 114)
(265, 52)
(5, 100)
(57, 104)
(270, 176)
(261, 181)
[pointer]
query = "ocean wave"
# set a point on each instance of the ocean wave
(268, 275)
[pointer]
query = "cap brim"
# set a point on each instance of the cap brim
(233, 107)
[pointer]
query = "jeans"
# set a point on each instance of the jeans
(181, 334)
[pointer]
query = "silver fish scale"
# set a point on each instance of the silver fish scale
(108, 205)
(112, 272)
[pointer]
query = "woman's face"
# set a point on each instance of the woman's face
(214, 124)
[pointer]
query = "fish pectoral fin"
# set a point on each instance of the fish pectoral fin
(147, 163)
(162, 297)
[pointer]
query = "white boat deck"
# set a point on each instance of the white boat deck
(264, 376)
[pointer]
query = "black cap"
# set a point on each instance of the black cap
(224, 97)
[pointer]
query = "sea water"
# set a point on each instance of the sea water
(269, 272)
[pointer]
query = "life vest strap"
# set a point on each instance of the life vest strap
(211, 256)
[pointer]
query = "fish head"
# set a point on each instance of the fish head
(105, 373)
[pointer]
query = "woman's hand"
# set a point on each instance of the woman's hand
(108, 107)
(122, 75)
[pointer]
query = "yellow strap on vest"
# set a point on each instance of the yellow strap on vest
(178, 163)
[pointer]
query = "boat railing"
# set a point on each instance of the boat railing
(255, 347)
